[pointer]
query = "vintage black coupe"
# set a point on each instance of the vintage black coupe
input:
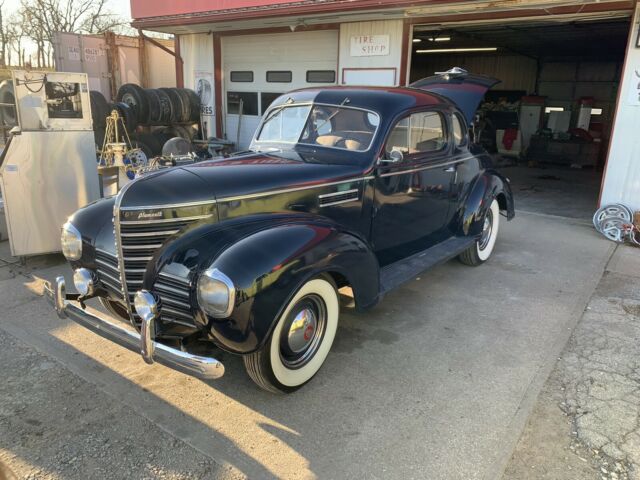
(356, 187)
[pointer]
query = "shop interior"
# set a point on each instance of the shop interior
(548, 123)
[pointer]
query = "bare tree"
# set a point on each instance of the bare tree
(41, 19)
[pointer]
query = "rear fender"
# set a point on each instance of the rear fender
(487, 186)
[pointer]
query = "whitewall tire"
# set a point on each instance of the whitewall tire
(300, 341)
(483, 247)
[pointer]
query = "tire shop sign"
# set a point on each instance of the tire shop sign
(369, 45)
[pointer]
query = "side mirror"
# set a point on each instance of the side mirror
(395, 156)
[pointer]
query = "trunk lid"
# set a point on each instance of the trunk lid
(466, 90)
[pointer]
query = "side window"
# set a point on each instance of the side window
(459, 136)
(421, 132)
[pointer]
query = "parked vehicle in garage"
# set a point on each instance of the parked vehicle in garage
(342, 187)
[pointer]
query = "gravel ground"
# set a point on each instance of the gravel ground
(586, 422)
(49, 431)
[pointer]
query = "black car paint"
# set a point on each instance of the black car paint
(268, 232)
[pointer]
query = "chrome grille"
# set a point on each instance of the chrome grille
(175, 304)
(108, 273)
(139, 240)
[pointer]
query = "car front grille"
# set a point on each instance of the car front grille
(175, 302)
(139, 240)
(108, 272)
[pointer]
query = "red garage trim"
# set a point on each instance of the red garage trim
(217, 82)
(404, 60)
(309, 7)
(179, 62)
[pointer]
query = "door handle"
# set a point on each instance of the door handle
(450, 169)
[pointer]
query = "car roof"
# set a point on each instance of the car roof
(384, 100)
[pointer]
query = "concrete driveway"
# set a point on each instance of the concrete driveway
(435, 382)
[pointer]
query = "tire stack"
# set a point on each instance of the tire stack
(169, 112)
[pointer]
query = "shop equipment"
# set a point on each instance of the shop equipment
(48, 167)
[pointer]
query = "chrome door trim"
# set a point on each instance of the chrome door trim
(425, 167)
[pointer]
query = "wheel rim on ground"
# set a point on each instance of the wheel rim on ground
(609, 212)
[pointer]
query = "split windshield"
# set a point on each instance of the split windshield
(325, 125)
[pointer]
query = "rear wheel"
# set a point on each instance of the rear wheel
(483, 247)
(300, 341)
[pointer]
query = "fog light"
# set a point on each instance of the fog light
(84, 282)
(145, 304)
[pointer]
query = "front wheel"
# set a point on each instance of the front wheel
(300, 341)
(481, 250)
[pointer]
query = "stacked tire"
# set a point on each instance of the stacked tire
(161, 106)
(175, 109)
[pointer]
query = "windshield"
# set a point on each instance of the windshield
(325, 125)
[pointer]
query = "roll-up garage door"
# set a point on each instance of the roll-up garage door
(258, 68)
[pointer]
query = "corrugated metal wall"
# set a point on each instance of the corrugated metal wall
(89, 54)
(517, 72)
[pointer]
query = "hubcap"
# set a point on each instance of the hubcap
(303, 331)
(486, 230)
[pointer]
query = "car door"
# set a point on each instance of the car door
(412, 186)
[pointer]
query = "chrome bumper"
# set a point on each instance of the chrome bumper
(67, 307)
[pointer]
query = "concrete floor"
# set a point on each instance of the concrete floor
(552, 190)
(436, 382)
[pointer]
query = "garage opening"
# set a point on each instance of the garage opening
(548, 123)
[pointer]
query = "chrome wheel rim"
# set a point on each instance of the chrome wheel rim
(486, 230)
(303, 331)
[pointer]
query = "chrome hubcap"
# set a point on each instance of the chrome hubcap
(486, 230)
(303, 331)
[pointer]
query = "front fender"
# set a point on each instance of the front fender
(487, 186)
(268, 259)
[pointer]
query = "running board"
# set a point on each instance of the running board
(395, 274)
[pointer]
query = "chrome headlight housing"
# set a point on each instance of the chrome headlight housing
(85, 281)
(216, 293)
(71, 242)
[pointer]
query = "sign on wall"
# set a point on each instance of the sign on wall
(369, 45)
(203, 86)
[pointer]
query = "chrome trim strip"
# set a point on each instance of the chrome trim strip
(108, 265)
(135, 270)
(102, 273)
(149, 234)
(171, 301)
(185, 281)
(108, 254)
(325, 195)
(170, 205)
(109, 284)
(207, 368)
(427, 167)
(165, 220)
(339, 202)
(167, 289)
(116, 225)
(171, 311)
(296, 189)
(137, 259)
(141, 247)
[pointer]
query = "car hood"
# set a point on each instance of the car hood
(236, 176)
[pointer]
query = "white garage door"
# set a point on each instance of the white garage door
(258, 68)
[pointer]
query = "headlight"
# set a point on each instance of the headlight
(216, 293)
(71, 241)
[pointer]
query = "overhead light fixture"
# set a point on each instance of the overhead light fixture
(440, 39)
(417, 40)
(458, 50)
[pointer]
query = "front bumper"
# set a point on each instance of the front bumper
(67, 306)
